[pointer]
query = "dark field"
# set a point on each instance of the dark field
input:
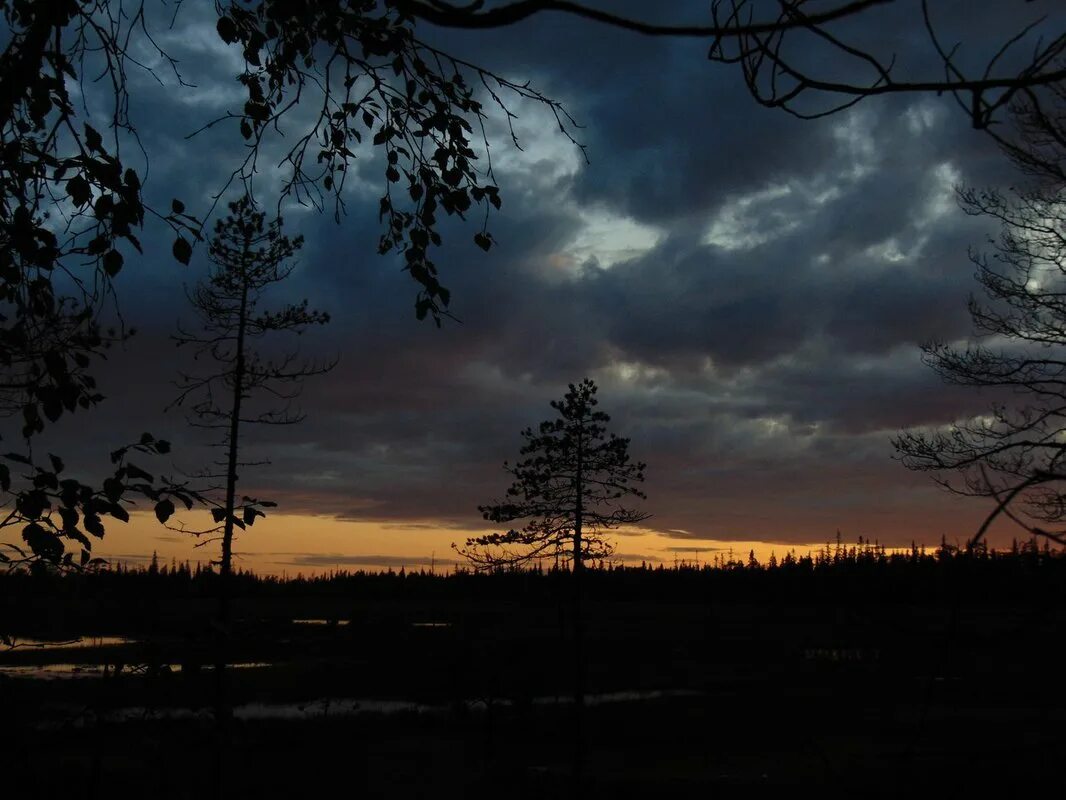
(858, 680)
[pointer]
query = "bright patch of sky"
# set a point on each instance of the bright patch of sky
(632, 373)
(604, 239)
(757, 218)
(857, 145)
(773, 211)
(752, 220)
(923, 117)
(891, 251)
(544, 157)
(939, 202)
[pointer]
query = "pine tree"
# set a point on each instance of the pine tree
(571, 486)
(249, 255)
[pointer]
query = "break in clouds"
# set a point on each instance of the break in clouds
(749, 291)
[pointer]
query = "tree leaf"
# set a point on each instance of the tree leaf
(182, 250)
(163, 510)
(93, 139)
(52, 406)
(227, 30)
(137, 473)
(92, 524)
(113, 263)
(79, 191)
(43, 543)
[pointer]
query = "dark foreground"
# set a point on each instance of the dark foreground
(669, 748)
(698, 686)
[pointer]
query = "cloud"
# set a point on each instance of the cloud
(750, 291)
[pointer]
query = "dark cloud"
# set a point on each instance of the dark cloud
(749, 289)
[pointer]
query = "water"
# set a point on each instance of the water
(324, 708)
(346, 622)
(66, 644)
(841, 654)
(320, 621)
(72, 670)
(53, 671)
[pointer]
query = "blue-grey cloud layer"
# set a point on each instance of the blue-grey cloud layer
(750, 291)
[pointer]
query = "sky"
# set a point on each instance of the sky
(749, 290)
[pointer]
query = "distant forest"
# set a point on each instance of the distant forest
(1026, 572)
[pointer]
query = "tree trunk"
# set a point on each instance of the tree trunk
(579, 633)
(223, 710)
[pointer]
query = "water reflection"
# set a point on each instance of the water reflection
(320, 621)
(71, 670)
(66, 644)
(323, 708)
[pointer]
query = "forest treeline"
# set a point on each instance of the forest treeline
(866, 572)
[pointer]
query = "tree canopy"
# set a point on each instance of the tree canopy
(1014, 453)
(249, 256)
(572, 486)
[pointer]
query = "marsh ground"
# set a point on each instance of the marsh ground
(882, 699)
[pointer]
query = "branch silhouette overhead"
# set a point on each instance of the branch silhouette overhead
(1015, 453)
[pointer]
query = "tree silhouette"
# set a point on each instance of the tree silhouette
(69, 208)
(57, 517)
(772, 42)
(571, 486)
(1014, 454)
(249, 256)
(1036, 139)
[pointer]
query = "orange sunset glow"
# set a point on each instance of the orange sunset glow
(291, 544)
